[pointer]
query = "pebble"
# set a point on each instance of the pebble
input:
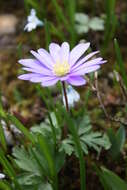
(8, 23)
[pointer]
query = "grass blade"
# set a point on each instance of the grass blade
(58, 32)
(60, 15)
(46, 151)
(47, 33)
(4, 186)
(10, 171)
(74, 133)
(120, 63)
(71, 10)
(43, 96)
(111, 22)
(2, 138)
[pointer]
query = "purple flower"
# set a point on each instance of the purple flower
(60, 64)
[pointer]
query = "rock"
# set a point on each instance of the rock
(8, 24)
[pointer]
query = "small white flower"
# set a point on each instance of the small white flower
(32, 21)
(2, 176)
(96, 24)
(84, 23)
(72, 96)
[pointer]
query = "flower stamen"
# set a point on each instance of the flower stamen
(61, 69)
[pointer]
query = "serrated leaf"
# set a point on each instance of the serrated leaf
(45, 186)
(25, 161)
(29, 179)
(90, 138)
(67, 146)
(44, 128)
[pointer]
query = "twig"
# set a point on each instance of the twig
(122, 87)
(99, 96)
(96, 89)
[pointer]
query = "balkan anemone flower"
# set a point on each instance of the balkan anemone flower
(61, 64)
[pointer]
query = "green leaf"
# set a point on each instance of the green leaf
(40, 161)
(67, 147)
(29, 179)
(5, 186)
(45, 186)
(121, 137)
(117, 141)
(59, 160)
(76, 140)
(24, 159)
(89, 138)
(44, 147)
(45, 127)
(113, 181)
(9, 170)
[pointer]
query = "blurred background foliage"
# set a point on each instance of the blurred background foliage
(27, 108)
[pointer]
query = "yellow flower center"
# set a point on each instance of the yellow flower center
(61, 69)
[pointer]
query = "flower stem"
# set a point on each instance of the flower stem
(65, 96)
(67, 108)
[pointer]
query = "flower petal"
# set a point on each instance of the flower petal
(54, 51)
(83, 60)
(64, 78)
(46, 57)
(35, 66)
(39, 58)
(77, 52)
(32, 63)
(85, 70)
(42, 71)
(64, 52)
(76, 80)
(90, 63)
(50, 82)
(31, 76)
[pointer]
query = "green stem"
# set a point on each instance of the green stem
(74, 132)
(81, 159)
(50, 119)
